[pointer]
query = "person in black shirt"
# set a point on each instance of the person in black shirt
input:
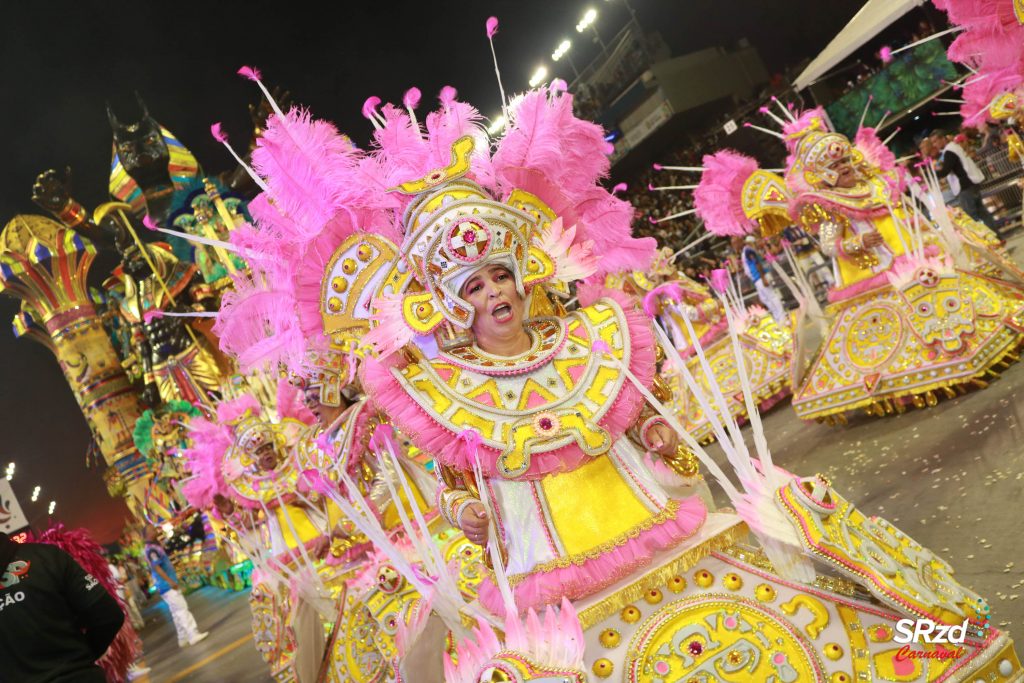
(56, 620)
(951, 159)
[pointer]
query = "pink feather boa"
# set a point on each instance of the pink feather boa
(389, 396)
(579, 581)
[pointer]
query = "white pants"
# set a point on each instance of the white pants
(184, 622)
(771, 300)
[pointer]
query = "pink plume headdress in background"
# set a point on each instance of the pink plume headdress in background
(718, 197)
(991, 44)
(874, 150)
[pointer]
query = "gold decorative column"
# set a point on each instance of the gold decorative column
(45, 265)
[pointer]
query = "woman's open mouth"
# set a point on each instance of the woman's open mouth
(502, 313)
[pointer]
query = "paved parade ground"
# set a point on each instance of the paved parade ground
(951, 476)
(226, 656)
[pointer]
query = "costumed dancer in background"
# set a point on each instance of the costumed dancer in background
(899, 307)
(247, 471)
(906, 317)
(768, 346)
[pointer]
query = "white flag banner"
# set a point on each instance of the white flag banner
(11, 516)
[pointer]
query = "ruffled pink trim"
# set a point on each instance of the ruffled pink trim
(389, 397)
(579, 581)
(875, 281)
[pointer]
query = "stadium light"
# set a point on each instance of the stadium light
(560, 51)
(53, 506)
(538, 76)
(589, 17)
(35, 494)
(496, 125)
(10, 471)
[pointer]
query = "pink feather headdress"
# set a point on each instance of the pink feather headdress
(874, 150)
(718, 196)
(211, 440)
(992, 45)
(319, 189)
(549, 152)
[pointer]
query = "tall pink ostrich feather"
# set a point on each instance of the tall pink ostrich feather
(718, 197)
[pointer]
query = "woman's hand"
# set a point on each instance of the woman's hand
(662, 438)
(475, 523)
(320, 547)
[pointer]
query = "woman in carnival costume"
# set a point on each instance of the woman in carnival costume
(534, 417)
(552, 411)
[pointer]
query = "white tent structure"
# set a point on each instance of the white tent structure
(872, 18)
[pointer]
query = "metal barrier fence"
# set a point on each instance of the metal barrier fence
(1001, 190)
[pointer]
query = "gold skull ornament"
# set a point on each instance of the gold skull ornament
(938, 313)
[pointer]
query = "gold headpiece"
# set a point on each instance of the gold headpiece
(1005, 106)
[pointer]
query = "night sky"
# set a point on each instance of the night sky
(63, 60)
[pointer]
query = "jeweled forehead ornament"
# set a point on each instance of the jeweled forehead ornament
(251, 434)
(453, 229)
(819, 152)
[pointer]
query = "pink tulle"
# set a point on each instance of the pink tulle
(718, 197)
(388, 395)
(827, 201)
(578, 581)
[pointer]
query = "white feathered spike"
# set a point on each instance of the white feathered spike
(572, 261)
